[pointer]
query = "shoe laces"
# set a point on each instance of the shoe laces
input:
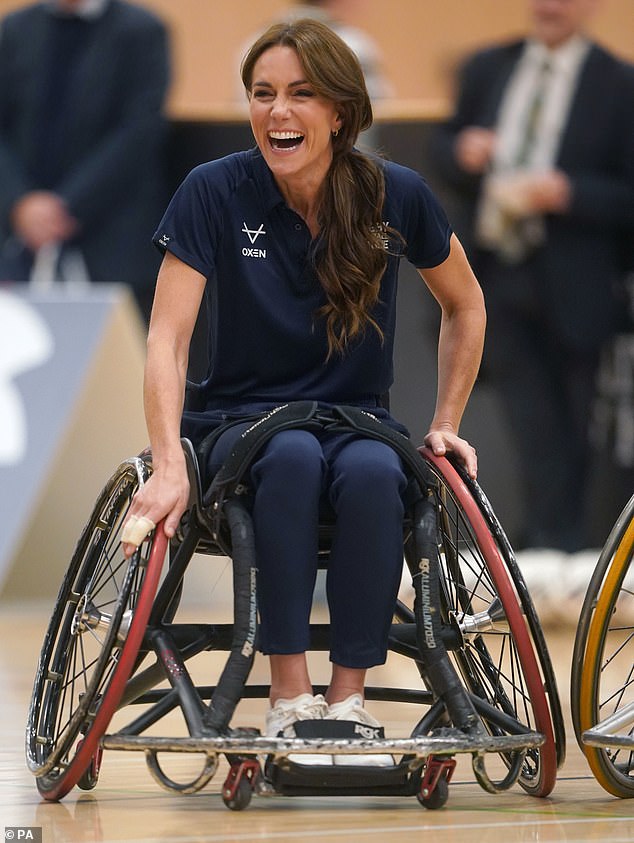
(314, 710)
(352, 710)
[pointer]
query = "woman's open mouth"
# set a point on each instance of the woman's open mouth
(285, 140)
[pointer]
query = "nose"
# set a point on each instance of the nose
(280, 107)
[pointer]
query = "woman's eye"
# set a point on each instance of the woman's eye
(267, 94)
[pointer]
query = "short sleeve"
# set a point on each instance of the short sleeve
(190, 228)
(413, 209)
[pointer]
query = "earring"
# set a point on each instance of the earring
(335, 133)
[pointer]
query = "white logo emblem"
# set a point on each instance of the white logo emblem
(367, 732)
(253, 234)
(25, 343)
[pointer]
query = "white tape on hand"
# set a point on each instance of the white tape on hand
(136, 530)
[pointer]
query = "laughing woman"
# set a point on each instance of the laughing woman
(296, 245)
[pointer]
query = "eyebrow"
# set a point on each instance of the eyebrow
(264, 84)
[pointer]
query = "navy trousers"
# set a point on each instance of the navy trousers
(363, 482)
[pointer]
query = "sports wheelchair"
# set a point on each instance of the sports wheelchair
(602, 678)
(114, 644)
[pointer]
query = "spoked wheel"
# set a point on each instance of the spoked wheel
(503, 658)
(92, 641)
(602, 679)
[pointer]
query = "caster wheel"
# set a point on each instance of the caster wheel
(89, 778)
(241, 797)
(437, 798)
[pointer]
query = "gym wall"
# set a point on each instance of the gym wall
(421, 42)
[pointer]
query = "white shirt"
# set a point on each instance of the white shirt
(565, 65)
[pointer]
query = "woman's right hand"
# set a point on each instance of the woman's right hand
(164, 497)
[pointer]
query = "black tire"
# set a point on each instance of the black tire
(242, 797)
(437, 798)
(504, 661)
(93, 640)
(89, 778)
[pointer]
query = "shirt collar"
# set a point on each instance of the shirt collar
(86, 9)
(565, 58)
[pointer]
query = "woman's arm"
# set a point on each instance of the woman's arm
(179, 291)
(455, 288)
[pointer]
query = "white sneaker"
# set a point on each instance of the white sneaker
(352, 709)
(281, 719)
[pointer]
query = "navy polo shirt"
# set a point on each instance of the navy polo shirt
(229, 221)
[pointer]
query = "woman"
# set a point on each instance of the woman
(297, 243)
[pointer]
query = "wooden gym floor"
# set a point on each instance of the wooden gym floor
(127, 805)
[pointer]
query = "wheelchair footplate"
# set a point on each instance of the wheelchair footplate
(422, 766)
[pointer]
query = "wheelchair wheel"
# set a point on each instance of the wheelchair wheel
(92, 641)
(503, 658)
(602, 678)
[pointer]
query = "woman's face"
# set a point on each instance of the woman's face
(291, 124)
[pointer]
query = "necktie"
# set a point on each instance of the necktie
(510, 234)
(533, 114)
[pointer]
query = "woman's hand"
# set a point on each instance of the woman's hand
(165, 495)
(442, 441)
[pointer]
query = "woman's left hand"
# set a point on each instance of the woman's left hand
(442, 441)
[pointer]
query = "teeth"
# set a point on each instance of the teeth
(285, 135)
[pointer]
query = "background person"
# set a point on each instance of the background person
(540, 150)
(82, 133)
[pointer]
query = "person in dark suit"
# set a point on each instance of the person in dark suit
(82, 140)
(541, 150)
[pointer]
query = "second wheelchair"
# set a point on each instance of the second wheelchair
(602, 679)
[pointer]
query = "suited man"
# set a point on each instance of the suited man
(541, 150)
(82, 133)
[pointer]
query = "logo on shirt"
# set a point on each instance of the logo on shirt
(382, 231)
(165, 239)
(253, 234)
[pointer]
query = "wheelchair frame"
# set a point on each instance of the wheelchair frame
(602, 677)
(488, 686)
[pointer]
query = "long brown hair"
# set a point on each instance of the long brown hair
(352, 254)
